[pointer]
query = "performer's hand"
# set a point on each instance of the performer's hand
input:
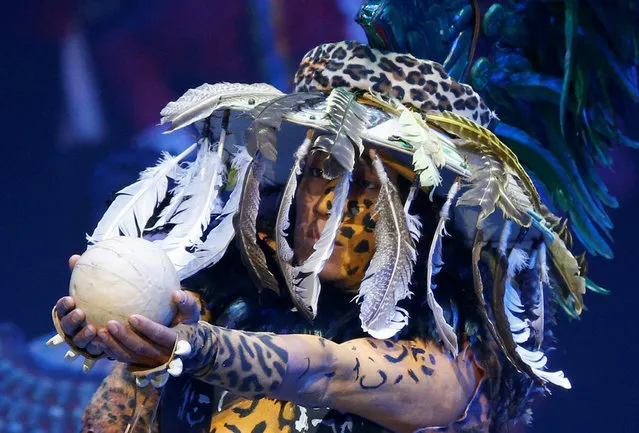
(150, 344)
(73, 324)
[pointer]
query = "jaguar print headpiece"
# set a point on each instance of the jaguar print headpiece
(353, 97)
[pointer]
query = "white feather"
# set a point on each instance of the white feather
(308, 287)
(388, 276)
(517, 260)
(182, 179)
(420, 135)
(522, 329)
(505, 236)
(543, 264)
(349, 120)
(135, 204)
(435, 262)
(218, 239)
(539, 309)
(424, 165)
(517, 325)
(199, 103)
(413, 222)
(532, 259)
(429, 154)
(193, 215)
(512, 300)
(537, 360)
(348, 116)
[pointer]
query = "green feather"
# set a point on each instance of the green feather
(572, 20)
(593, 287)
(567, 193)
(607, 60)
(531, 86)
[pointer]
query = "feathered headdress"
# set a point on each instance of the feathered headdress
(352, 96)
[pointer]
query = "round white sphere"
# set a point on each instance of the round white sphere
(121, 276)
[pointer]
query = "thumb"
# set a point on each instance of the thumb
(188, 309)
(73, 260)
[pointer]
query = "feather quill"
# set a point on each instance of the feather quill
(199, 103)
(135, 204)
(348, 121)
(308, 286)
(388, 276)
(445, 331)
(245, 225)
(212, 249)
(267, 118)
(193, 215)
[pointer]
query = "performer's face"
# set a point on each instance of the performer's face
(355, 241)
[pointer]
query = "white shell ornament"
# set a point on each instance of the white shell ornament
(121, 276)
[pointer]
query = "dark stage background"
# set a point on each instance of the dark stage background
(82, 84)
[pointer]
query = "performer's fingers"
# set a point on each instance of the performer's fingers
(188, 309)
(64, 305)
(72, 321)
(153, 331)
(73, 260)
(137, 344)
(94, 348)
(113, 349)
(84, 336)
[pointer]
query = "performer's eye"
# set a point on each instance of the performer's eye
(316, 172)
(367, 184)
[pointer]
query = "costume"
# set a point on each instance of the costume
(484, 294)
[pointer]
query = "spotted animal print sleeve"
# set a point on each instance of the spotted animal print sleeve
(249, 364)
(112, 407)
(402, 385)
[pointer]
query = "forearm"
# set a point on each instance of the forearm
(403, 385)
(383, 381)
(249, 364)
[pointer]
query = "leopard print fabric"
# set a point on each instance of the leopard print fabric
(424, 84)
(114, 405)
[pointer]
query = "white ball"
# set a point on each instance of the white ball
(122, 276)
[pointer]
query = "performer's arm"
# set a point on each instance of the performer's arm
(403, 386)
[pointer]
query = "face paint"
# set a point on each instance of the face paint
(355, 241)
